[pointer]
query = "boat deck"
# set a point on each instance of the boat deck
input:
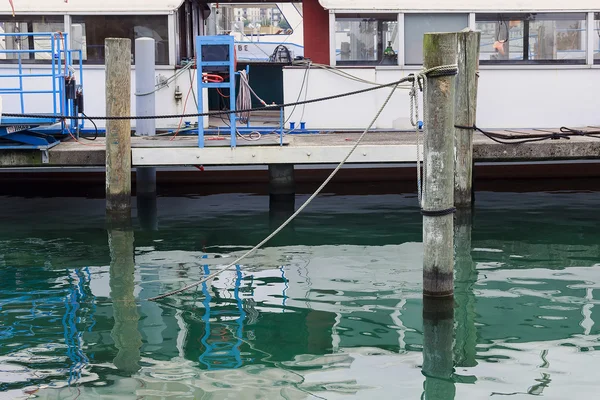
(321, 148)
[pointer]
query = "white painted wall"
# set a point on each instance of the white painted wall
(519, 97)
(470, 5)
(94, 94)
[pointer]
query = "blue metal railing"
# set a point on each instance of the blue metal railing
(60, 60)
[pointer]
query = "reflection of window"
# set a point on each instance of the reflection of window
(89, 32)
(29, 24)
(252, 20)
(533, 37)
(416, 25)
(366, 39)
(596, 38)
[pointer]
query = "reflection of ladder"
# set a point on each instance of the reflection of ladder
(222, 339)
(53, 87)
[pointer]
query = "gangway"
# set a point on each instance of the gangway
(39, 64)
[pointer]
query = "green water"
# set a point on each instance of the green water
(329, 309)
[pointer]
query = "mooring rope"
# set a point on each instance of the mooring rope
(438, 71)
(420, 83)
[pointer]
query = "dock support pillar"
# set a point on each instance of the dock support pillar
(465, 112)
(281, 181)
(118, 132)
(438, 362)
(438, 189)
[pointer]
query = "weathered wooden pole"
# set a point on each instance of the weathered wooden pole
(465, 112)
(438, 190)
(118, 132)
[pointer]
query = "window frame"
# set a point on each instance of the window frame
(27, 18)
(522, 16)
(381, 15)
(167, 39)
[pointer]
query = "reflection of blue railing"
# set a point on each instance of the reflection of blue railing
(222, 354)
(73, 336)
(61, 68)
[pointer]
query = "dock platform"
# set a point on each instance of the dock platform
(323, 148)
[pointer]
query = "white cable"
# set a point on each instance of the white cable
(291, 218)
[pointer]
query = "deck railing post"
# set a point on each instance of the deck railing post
(439, 49)
(118, 132)
(465, 112)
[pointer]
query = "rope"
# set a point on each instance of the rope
(448, 69)
(221, 112)
(420, 82)
(502, 138)
(291, 218)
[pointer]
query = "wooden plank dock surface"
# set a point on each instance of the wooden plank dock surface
(322, 148)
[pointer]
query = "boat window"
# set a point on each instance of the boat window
(363, 39)
(88, 34)
(251, 20)
(532, 38)
(28, 24)
(416, 25)
(597, 38)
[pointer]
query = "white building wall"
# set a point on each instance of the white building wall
(515, 97)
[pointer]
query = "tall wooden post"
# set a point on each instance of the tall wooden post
(465, 111)
(438, 189)
(118, 132)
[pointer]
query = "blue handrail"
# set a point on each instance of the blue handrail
(59, 63)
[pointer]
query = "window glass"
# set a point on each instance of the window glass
(596, 38)
(89, 32)
(366, 40)
(252, 20)
(29, 24)
(416, 25)
(532, 37)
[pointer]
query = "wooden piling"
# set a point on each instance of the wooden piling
(438, 189)
(465, 112)
(118, 132)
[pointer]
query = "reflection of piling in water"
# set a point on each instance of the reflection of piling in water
(147, 211)
(466, 276)
(281, 207)
(438, 323)
(125, 334)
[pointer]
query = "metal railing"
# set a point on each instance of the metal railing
(17, 74)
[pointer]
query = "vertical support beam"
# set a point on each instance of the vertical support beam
(465, 113)
(332, 39)
(118, 132)
(125, 333)
(590, 25)
(438, 189)
(401, 39)
(438, 363)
